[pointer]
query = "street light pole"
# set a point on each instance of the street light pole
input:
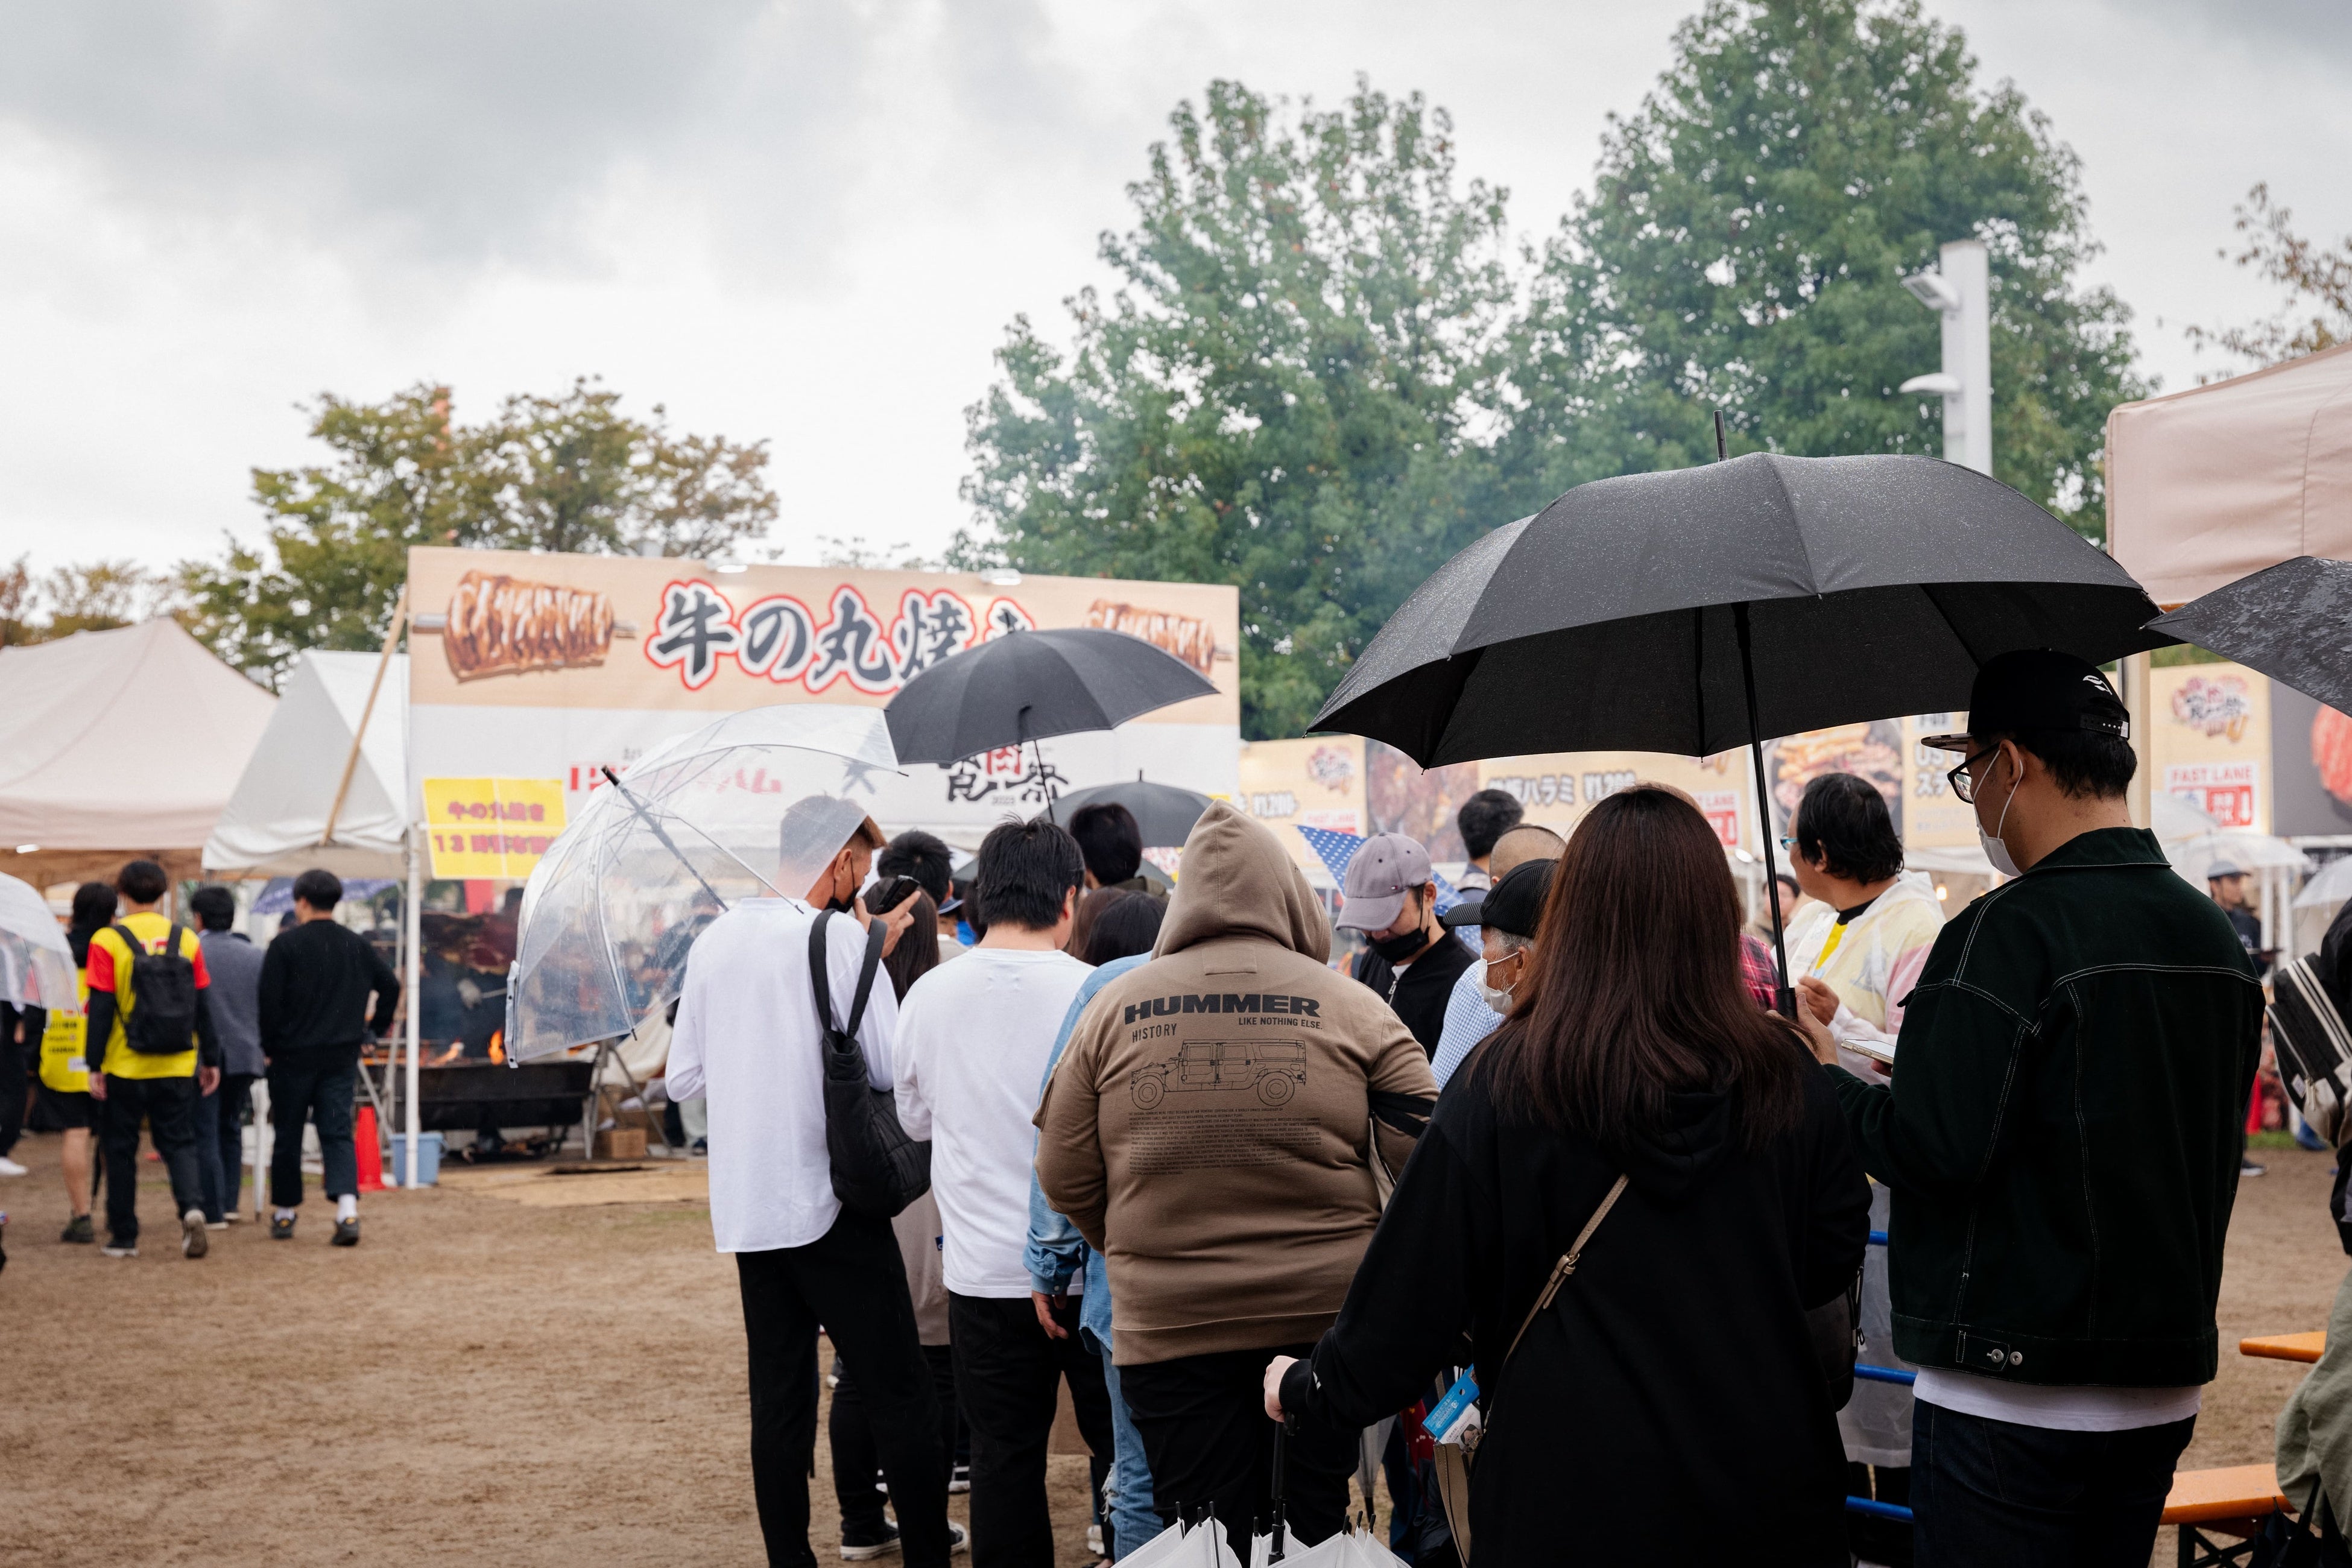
(1960, 292)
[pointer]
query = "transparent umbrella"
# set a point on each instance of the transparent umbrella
(751, 806)
(36, 967)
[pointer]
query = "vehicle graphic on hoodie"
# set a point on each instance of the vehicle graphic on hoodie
(1274, 1069)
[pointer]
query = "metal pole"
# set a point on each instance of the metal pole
(412, 917)
(352, 761)
(1785, 994)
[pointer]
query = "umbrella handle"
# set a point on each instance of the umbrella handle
(1784, 996)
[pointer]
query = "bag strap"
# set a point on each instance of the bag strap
(1563, 1268)
(821, 981)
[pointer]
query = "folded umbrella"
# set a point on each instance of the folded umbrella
(1027, 686)
(36, 966)
(2292, 621)
(1165, 813)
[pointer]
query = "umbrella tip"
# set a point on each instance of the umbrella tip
(1721, 450)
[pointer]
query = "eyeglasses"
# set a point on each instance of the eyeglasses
(1963, 785)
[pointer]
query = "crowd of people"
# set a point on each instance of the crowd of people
(1258, 1215)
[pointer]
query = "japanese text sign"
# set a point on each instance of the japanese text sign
(491, 827)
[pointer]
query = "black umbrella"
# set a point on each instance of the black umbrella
(1704, 609)
(1165, 813)
(1024, 686)
(2292, 621)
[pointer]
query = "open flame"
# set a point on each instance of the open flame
(499, 1046)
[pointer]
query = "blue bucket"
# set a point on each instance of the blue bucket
(428, 1158)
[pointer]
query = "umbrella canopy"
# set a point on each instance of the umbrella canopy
(1870, 586)
(1165, 813)
(2292, 621)
(2330, 888)
(36, 966)
(2240, 847)
(751, 806)
(1026, 686)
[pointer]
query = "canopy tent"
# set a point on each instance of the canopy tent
(2208, 485)
(118, 744)
(275, 820)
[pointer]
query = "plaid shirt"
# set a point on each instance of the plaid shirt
(1756, 967)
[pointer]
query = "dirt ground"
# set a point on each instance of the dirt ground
(527, 1373)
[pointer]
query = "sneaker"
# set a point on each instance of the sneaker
(960, 1478)
(281, 1229)
(958, 1540)
(10, 1168)
(2248, 1168)
(870, 1542)
(347, 1233)
(1093, 1539)
(114, 1249)
(194, 1242)
(80, 1231)
(216, 1225)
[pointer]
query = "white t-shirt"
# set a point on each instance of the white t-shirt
(973, 1041)
(2058, 1409)
(746, 1042)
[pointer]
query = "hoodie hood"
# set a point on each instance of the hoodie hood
(1667, 1166)
(1236, 881)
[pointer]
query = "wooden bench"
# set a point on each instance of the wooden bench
(2221, 1513)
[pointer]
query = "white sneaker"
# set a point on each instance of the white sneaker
(10, 1168)
(958, 1540)
(193, 1240)
(1093, 1539)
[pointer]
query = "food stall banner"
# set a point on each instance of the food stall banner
(2209, 741)
(1317, 783)
(490, 828)
(558, 666)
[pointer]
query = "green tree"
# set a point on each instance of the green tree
(1285, 393)
(2317, 310)
(567, 473)
(95, 596)
(1744, 247)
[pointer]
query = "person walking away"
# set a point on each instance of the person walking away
(1060, 1262)
(1664, 1405)
(147, 1001)
(2062, 1135)
(1218, 1129)
(1470, 1014)
(974, 1039)
(1483, 818)
(1112, 841)
(235, 966)
(747, 1043)
(65, 1066)
(20, 1038)
(1858, 948)
(313, 1015)
(1390, 897)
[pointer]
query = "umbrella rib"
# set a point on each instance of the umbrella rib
(1804, 546)
(1941, 614)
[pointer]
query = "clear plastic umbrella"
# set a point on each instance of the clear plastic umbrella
(754, 805)
(36, 967)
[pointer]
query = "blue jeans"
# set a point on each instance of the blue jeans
(1132, 1521)
(1990, 1491)
(220, 1146)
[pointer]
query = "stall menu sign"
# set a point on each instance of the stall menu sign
(491, 827)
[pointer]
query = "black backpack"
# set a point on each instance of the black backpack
(163, 1017)
(878, 1170)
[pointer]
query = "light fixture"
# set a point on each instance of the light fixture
(1933, 290)
(1937, 382)
(729, 568)
(1000, 577)
(1942, 892)
(29, 848)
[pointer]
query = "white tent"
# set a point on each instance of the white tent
(274, 822)
(116, 743)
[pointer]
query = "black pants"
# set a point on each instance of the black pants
(168, 1105)
(220, 1151)
(2026, 1497)
(852, 1281)
(317, 1085)
(1008, 1375)
(14, 1087)
(1203, 1419)
(854, 1457)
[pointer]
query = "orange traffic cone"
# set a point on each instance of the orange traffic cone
(370, 1150)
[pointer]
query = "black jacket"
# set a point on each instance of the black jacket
(315, 980)
(1669, 1407)
(2064, 1124)
(1419, 995)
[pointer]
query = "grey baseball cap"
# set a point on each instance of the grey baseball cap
(1384, 866)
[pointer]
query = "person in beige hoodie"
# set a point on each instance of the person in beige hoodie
(1222, 1128)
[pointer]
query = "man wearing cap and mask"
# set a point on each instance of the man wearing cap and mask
(2227, 882)
(1391, 898)
(2061, 1136)
(1487, 991)
(746, 1041)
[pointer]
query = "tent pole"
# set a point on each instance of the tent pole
(413, 918)
(1785, 996)
(351, 761)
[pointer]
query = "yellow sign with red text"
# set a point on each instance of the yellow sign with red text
(491, 827)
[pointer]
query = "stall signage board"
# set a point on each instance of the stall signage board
(490, 828)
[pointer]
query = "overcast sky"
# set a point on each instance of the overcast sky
(811, 223)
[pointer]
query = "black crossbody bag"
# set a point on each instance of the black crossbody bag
(878, 1170)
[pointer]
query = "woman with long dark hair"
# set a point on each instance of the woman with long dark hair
(1667, 1403)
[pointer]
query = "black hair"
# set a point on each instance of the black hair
(215, 905)
(2086, 764)
(1484, 817)
(921, 855)
(917, 953)
(319, 889)
(143, 882)
(1125, 927)
(93, 911)
(967, 890)
(1110, 839)
(1843, 822)
(1026, 871)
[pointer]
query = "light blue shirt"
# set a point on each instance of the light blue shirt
(1468, 1020)
(1056, 1250)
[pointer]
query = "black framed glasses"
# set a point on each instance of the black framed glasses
(1958, 778)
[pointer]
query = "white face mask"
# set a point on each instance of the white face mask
(1995, 850)
(1497, 1001)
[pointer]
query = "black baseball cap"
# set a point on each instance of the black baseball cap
(1514, 904)
(2038, 689)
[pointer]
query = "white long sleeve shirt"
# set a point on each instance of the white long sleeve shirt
(747, 1043)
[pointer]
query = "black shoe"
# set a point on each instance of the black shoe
(347, 1232)
(281, 1229)
(79, 1231)
(869, 1541)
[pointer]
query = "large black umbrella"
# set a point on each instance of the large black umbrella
(1165, 813)
(1024, 686)
(1704, 609)
(2292, 621)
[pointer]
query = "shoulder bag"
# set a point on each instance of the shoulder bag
(878, 1170)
